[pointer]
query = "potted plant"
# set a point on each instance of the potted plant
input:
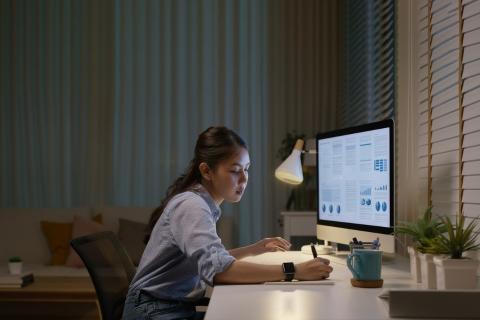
(15, 265)
(422, 231)
(454, 271)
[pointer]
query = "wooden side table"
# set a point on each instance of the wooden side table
(51, 297)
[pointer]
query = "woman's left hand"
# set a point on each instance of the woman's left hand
(270, 245)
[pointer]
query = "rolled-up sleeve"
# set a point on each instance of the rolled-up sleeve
(193, 229)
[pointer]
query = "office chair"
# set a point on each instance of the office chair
(110, 269)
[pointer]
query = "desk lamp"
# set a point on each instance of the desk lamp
(290, 171)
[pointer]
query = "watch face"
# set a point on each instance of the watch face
(288, 267)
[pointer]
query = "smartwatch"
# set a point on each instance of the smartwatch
(288, 270)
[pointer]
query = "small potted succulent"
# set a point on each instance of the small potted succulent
(422, 231)
(454, 271)
(15, 265)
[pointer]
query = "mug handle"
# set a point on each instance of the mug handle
(350, 259)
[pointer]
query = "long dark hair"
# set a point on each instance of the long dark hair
(213, 146)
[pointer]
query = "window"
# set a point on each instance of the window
(367, 93)
(448, 82)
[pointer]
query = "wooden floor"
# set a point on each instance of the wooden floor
(70, 298)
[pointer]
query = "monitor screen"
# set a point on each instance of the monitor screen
(355, 177)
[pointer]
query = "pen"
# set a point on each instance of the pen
(314, 252)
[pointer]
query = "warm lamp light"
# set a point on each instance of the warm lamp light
(290, 171)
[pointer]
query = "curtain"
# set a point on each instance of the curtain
(55, 102)
(180, 67)
(102, 101)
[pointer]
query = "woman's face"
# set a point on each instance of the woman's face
(229, 179)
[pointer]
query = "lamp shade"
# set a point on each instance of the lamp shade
(290, 171)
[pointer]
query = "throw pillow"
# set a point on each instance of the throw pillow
(131, 235)
(81, 227)
(58, 237)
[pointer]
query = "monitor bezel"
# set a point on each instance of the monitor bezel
(389, 123)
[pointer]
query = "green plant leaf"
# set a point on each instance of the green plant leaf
(422, 230)
(456, 239)
(15, 259)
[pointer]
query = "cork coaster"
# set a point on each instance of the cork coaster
(367, 283)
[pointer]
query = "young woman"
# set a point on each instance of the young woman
(184, 252)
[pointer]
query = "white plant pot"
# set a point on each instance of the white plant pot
(456, 273)
(15, 267)
(415, 266)
(429, 274)
(475, 256)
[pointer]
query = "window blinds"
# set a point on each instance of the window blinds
(471, 108)
(368, 89)
(448, 84)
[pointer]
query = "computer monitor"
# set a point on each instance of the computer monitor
(355, 180)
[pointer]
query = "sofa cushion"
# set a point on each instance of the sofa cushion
(81, 227)
(58, 236)
(21, 233)
(111, 215)
(131, 235)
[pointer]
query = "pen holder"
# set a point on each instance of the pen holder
(374, 245)
(362, 245)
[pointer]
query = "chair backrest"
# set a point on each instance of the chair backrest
(110, 269)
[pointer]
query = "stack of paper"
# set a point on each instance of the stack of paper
(15, 280)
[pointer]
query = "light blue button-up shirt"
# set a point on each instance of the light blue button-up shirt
(184, 251)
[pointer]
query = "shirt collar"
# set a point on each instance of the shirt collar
(202, 192)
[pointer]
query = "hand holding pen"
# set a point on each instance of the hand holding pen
(315, 255)
(315, 269)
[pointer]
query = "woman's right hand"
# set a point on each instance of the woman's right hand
(315, 269)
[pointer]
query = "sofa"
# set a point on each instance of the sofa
(21, 234)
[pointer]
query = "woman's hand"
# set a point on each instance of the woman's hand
(315, 269)
(270, 245)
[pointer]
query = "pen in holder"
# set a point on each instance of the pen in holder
(355, 244)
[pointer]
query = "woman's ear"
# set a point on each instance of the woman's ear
(204, 171)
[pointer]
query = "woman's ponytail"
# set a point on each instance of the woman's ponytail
(181, 184)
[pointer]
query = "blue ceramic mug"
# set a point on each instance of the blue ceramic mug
(365, 264)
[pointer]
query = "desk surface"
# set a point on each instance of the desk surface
(338, 301)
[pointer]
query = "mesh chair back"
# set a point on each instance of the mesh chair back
(110, 269)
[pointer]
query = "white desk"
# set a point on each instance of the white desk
(338, 301)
